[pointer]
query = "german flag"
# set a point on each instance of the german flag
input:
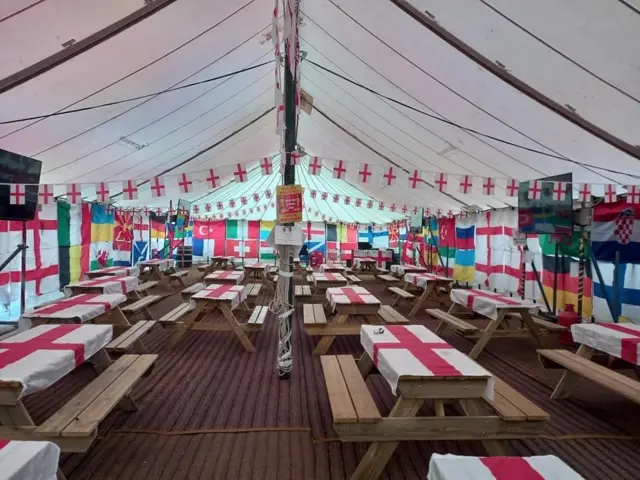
(567, 286)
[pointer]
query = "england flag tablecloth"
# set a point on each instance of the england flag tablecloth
(107, 284)
(161, 263)
(232, 293)
(85, 307)
(421, 280)
(20, 460)
(117, 271)
(456, 467)
(39, 357)
(256, 266)
(622, 340)
(400, 270)
(331, 267)
(226, 276)
(488, 303)
(415, 351)
(350, 296)
(328, 277)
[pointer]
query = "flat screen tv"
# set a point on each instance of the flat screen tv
(417, 220)
(551, 212)
(16, 168)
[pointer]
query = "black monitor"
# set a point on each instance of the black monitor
(18, 169)
(551, 212)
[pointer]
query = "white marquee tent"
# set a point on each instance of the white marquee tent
(562, 78)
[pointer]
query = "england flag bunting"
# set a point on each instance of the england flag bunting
(130, 190)
(466, 184)
(339, 170)
(347, 200)
(315, 166)
(256, 197)
(336, 198)
(358, 202)
(584, 192)
(240, 173)
(365, 172)
(45, 194)
(17, 194)
(232, 203)
(243, 200)
(441, 181)
(196, 209)
(610, 193)
(389, 177)
(74, 193)
(213, 179)
(158, 188)
(488, 186)
(266, 166)
(314, 193)
(380, 205)
(559, 191)
(185, 184)
(415, 179)
(633, 194)
(102, 192)
(535, 190)
(369, 203)
(513, 187)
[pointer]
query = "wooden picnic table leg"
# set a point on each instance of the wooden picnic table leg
(430, 287)
(365, 365)
(533, 328)
(375, 460)
(233, 323)
(325, 342)
(486, 335)
(568, 379)
(181, 328)
(375, 319)
(476, 407)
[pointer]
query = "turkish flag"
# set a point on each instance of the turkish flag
(210, 230)
(447, 232)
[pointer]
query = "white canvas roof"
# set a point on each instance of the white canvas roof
(584, 56)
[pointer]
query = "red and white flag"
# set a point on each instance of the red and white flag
(369, 203)
(184, 183)
(232, 203)
(380, 205)
(45, 194)
(196, 209)
(314, 193)
(466, 184)
(365, 172)
(315, 166)
(336, 198)
(74, 193)
(213, 179)
(220, 206)
(240, 173)
(358, 202)
(513, 187)
(584, 192)
(267, 194)
(389, 177)
(243, 200)
(339, 170)
(488, 186)
(324, 195)
(266, 167)
(347, 200)
(102, 192)
(633, 194)
(158, 188)
(415, 179)
(17, 194)
(535, 189)
(559, 191)
(610, 193)
(441, 181)
(130, 190)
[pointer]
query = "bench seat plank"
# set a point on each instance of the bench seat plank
(454, 322)
(391, 315)
(140, 304)
(388, 278)
(320, 317)
(342, 408)
(146, 286)
(253, 289)
(258, 315)
(176, 314)
(128, 338)
(401, 293)
(363, 403)
(302, 291)
(180, 273)
(511, 405)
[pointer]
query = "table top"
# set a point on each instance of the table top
(234, 294)
(222, 258)
(39, 357)
(364, 260)
(328, 277)
(402, 269)
(422, 279)
(256, 266)
(20, 460)
(108, 284)
(162, 263)
(116, 271)
(489, 303)
(331, 267)
(85, 307)
(350, 296)
(226, 276)
(414, 352)
(622, 340)
(542, 467)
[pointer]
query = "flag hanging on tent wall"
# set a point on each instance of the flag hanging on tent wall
(122, 237)
(102, 225)
(616, 228)
(209, 238)
(565, 269)
(42, 268)
(492, 240)
(447, 244)
(267, 253)
(315, 239)
(332, 242)
(515, 256)
(158, 234)
(464, 268)
(243, 239)
(348, 240)
(140, 237)
(74, 241)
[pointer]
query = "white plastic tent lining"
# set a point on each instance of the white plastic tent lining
(584, 55)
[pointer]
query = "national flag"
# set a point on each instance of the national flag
(567, 282)
(608, 236)
(140, 237)
(492, 244)
(347, 240)
(267, 252)
(394, 235)
(102, 225)
(447, 244)
(243, 238)
(332, 241)
(315, 238)
(627, 308)
(122, 238)
(209, 238)
(74, 241)
(464, 268)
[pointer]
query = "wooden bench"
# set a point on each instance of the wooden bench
(543, 324)
(349, 396)
(257, 318)
(313, 314)
(401, 295)
(512, 406)
(79, 418)
(141, 306)
(583, 367)
(353, 280)
(388, 278)
(132, 337)
(391, 315)
(303, 291)
(144, 287)
(177, 277)
(191, 289)
(173, 316)
(309, 278)
(253, 289)
(381, 271)
(447, 319)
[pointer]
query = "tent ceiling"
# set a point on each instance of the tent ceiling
(588, 61)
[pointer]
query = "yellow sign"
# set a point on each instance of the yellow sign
(289, 203)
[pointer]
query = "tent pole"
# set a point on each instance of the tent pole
(23, 267)
(555, 277)
(616, 287)
(290, 144)
(581, 273)
(596, 268)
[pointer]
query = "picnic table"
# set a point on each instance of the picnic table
(619, 340)
(418, 365)
(83, 308)
(429, 283)
(105, 284)
(541, 467)
(35, 359)
(216, 297)
(234, 277)
(124, 271)
(28, 460)
(496, 307)
(332, 268)
(346, 302)
(365, 265)
(222, 262)
(156, 267)
(400, 270)
(256, 271)
(328, 280)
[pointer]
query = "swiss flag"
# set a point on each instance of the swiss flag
(243, 248)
